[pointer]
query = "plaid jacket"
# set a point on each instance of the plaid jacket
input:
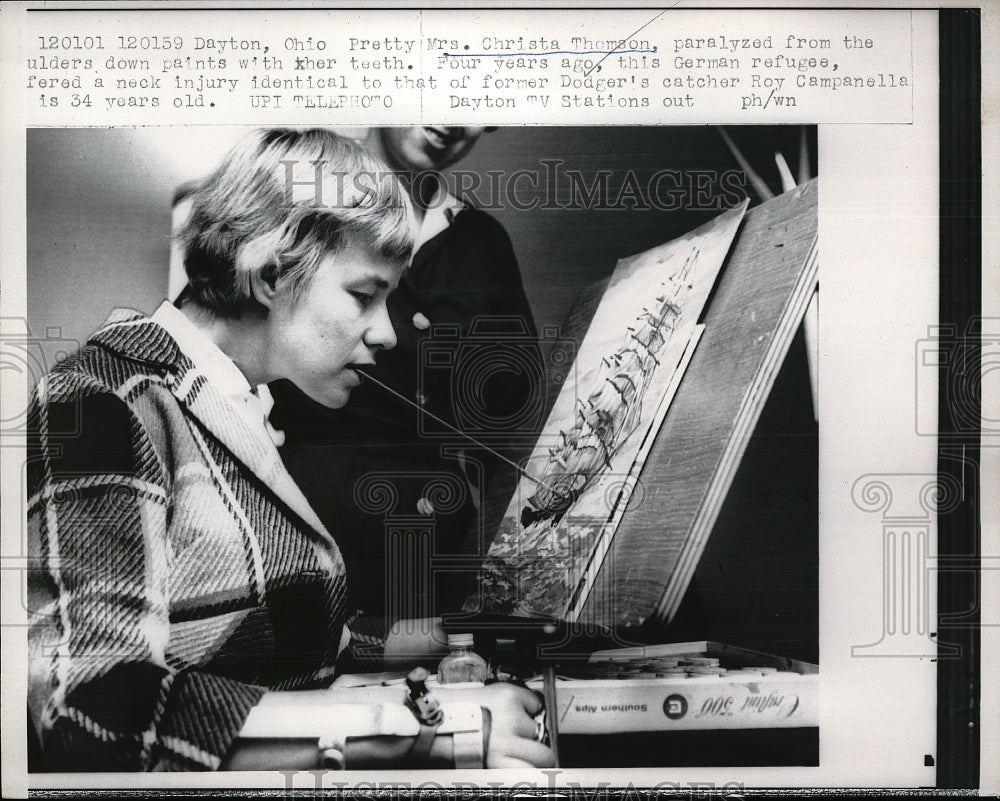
(179, 570)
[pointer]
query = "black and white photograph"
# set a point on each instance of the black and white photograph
(574, 452)
(384, 426)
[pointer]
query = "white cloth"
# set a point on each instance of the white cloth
(252, 404)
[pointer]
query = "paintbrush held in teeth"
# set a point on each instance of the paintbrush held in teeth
(369, 377)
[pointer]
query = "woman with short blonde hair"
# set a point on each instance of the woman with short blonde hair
(189, 605)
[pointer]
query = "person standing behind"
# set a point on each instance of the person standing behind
(186, 605)
(463, 274)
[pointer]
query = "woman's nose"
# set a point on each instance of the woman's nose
(381, 334)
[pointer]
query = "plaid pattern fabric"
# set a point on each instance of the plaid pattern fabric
(180, 572)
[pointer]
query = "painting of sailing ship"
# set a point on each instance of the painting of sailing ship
(586, 465)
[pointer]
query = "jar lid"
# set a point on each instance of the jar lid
(458, 640)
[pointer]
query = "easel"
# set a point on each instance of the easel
(758, 304)
(761, 297)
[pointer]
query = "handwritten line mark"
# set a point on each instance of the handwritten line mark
(637, 30)
(605, 53)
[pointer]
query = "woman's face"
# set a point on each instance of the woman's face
(338, 323)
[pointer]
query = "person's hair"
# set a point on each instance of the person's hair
(281, 201)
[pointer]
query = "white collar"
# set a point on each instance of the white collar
(437, 217)
(221, 372)
(254, 404)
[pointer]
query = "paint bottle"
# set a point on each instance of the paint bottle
(462, 663)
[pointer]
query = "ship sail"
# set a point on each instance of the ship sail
(612, 412)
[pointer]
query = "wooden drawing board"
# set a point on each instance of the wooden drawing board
(759, 302)
(563, 516)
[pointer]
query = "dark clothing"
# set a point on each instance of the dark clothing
(391, 478)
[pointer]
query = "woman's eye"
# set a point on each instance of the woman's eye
(364, 298)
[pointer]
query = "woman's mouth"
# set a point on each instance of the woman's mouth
(358, 371)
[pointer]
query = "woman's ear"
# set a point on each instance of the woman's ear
(265, 286)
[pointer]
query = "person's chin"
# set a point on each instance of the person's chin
(332, 398)
(422, 162)
(429, 157)
(339, 402)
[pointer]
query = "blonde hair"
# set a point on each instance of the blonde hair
(250, 217)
